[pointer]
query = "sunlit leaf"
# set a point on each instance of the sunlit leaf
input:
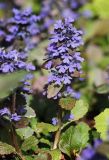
(80, 109)
(102, 123)
(46, 127)
(30, 113)
(25, 132)
(101, 7)
(56, 154)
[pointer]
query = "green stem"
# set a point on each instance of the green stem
(58, 133)
(13, 131)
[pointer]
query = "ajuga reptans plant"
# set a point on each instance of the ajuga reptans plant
(63, 57)
(17, 37)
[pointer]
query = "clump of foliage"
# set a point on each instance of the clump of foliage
(54, 80)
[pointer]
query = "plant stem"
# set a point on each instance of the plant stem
(58, 133)
(13, 108)
(13, 132)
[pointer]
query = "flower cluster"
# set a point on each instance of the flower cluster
(71, 7)
(63, 58)
(18, 35)
(13, 60)
(46, 18)
(13, 117)
(65, 8)
(21, 27)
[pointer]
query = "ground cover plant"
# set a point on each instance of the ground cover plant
(54, 80)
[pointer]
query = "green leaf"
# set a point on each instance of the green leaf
(103, 89)
(80, 109)
(39, 52)
(46, 128)
(104, 62)
(33, 123)
(28, 158)
(29, 143)
(30, 113)
(25, 132)
(67, 103)
(45, 141)
(43, 156)
(102, 123)
(101, 7)
(53, 90)
(74, 138)
(97, 28)
(56, 154)
(6, 149)
(9, 82)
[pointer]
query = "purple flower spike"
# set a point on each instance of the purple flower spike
(64, 43)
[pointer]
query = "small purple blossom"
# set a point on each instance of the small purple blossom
(54, 121)
(68, 117)
(71, 117)
(15, 117)
(4, 111)
(17, 37)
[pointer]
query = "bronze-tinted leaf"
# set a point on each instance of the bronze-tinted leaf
(53, 90)
(67, 103)
(22, 123)
(6, 149)
(76, 74)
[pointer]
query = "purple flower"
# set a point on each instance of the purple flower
(15, 117)
(48, 65)
(71, 117)
(54, 121)
(22, 25)
(4, 111)
(58, 25)
(90, 151)
(68, 117)
(13, 29)
(30, 67)
(14, 60)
